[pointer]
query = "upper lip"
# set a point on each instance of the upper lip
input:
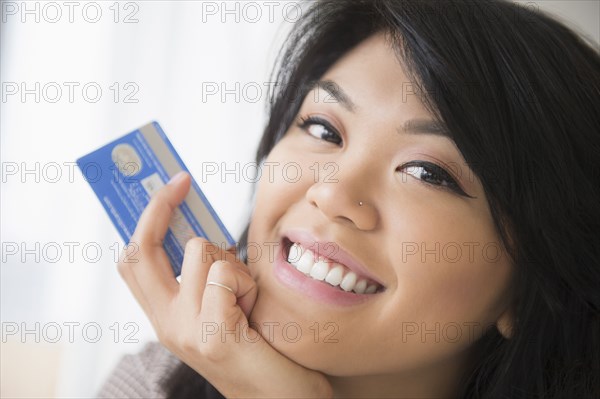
(331, 250)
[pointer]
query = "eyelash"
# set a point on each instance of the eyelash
(437, 172)
(306, 122)
(428, 168)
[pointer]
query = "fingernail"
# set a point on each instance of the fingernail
(177, 177)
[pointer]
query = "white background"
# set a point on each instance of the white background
(167, 52)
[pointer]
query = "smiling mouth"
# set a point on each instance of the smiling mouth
(328, 271)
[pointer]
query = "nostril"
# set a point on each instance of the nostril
(345, 219)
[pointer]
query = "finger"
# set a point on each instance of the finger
(148, 273)
(197, 259)
(230, 255)
(150, 281)
(127, 275)
(154, 221)
(220, 304)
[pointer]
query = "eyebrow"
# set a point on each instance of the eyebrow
(424, 126)
(335, 91)
(412, 126)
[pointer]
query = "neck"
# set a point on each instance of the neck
(440, 381)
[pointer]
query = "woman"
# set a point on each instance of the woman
(439, 237)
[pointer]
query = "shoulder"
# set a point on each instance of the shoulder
(141, 375)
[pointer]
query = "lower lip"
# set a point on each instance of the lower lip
(290, 277)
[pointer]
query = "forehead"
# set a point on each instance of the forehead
(375, 80)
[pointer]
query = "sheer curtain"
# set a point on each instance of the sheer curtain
(76, 75)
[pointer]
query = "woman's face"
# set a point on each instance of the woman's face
(430, 252)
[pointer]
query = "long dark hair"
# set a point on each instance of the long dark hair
(520, 93)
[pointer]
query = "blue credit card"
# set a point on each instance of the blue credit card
(125, 174)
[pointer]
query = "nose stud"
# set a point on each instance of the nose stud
(360, 203)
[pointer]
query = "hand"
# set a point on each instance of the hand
(190, 318)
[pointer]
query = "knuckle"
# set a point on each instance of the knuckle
(220, 269)
(195, 244)
(200, 247)
(129, 260)
(124, 267)
(230, 255)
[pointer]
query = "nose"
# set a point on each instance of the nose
(346, 199)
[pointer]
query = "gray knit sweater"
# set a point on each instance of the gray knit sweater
(141, 375)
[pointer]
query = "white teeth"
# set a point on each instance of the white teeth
(335, 275)
(305, 263)
(360, 286)
(319, 270)
(295, 253)
(371, 289)
(349, 281)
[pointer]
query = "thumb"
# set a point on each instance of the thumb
(154, 221)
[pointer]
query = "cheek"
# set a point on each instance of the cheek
(450, 266)
(448, 290)
(285, 178)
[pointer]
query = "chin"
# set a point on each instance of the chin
(297, 338)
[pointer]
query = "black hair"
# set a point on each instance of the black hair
(520, 93)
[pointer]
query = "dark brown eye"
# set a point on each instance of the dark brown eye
(432, 174)
(320, 129)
